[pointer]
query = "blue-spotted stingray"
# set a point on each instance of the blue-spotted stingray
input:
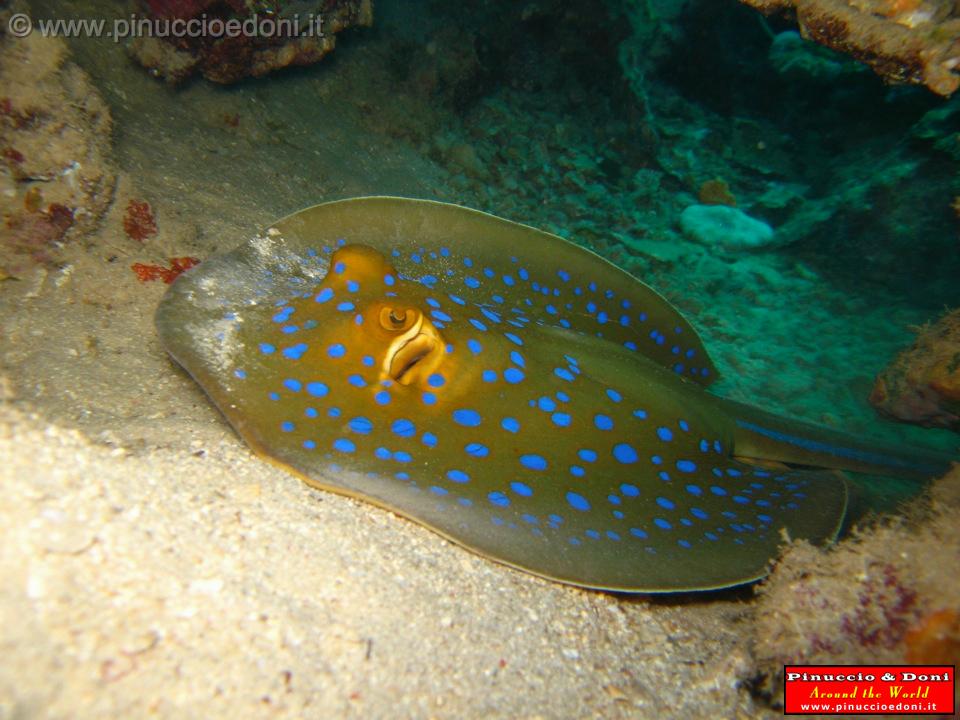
(514, 392)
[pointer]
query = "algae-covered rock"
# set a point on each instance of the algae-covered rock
(887, 595)
(237, 39)
(922, 385)
(722, 226)
(56, 175)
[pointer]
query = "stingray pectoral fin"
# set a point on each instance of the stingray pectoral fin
(733, 528)
(599, 299)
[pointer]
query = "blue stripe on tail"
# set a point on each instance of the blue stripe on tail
(864, 456)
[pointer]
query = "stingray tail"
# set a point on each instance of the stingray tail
(761, 435)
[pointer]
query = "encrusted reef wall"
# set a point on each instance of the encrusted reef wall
(922, 385)
(267, 35)
(876, 598)
(56, 177)
(914, 41)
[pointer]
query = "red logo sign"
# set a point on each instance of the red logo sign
(869, 689)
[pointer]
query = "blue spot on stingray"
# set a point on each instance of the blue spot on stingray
(475, 346)
(578, 501)
(458, 476)
(513, 338)
(295, 352)
(382, 453)
(309, 444)
(382, 397)
(546, 404)
(694, 490)
(436, 380)
(684, 543)
(717, 490)
(344, 445)
(489, 376)
(317, 389)
(429, 398)
(517, 359)
(490, 315)
(466, 417)
(510, 425)
(361, 425)
(603, 422)
(613, 535)
(324, 295)
(699, 514)
(357, 381)
(429, 439)
(267, 348)
(629, 490)
(403, 457)
(563, 374)
(436, 490)
(739, 499)
(625, 453)
(587, 455)
(687, 466)
(513, 375)
(440, 316)
(614, 395)
(662, 524)
(353, 286)
(286, 426)
(478, 325)
(346, 306)
(637, 532)
(666, 503)
(561, 419)
(477, 450)
(388, 280)
(498, 499)
(684, 425)
(577, 471)
(471, 282)
(336, 350)
(293, 385)
(533, 462)
(311, 412)
(368, 360)
(404, 427)
(664, 434)
(613, 499)
(521, 488)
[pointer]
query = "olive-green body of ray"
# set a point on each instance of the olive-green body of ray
(510, 390)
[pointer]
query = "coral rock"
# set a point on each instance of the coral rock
(915, 41)
(56, 177)
(724, 227)
(290, 34)
(922, 385)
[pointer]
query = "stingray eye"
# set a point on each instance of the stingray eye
(395, 318)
